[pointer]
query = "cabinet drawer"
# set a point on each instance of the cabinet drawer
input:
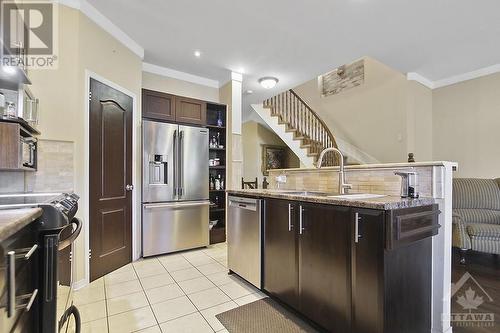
(409, 225)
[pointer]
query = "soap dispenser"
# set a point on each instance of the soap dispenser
(408, 184)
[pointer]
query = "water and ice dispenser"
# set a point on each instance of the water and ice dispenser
(158, 170)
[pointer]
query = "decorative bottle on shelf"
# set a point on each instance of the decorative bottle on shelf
(211, 183)
(222, 183)
(217, 140)
(219, 119)
(217, 183)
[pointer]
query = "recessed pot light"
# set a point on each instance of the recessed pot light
(249, 92)
(268, 82)
(197, 54)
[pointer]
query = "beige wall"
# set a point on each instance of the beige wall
(178, 87)
(83, 46)
(254, 135)
(371, 117)
(466, 122)
(386, 117)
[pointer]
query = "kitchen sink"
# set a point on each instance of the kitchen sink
(357, 196)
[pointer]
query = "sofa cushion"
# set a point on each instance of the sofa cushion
(478, 215)
(484, 230)
(475, 193)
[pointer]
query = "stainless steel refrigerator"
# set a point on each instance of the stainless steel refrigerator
(175, 188)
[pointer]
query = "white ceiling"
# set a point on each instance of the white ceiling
(298, 40)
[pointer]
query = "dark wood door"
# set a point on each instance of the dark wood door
(157, 105)
(280, 251)
(368, 271)
(190, 111)
(110, 173)
(324, 265)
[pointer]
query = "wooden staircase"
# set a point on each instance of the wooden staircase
(305, 124)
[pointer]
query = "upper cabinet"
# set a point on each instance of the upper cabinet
(165, 107)
(157, 105)
(192, 111)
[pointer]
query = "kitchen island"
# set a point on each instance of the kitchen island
(349, 265)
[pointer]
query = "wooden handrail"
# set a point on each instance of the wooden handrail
(300, 118)
(317, 117)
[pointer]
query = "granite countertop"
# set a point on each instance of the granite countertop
(13, 220)
(384, 203)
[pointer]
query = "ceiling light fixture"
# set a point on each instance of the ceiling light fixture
(249, 92)
(197, 54)
(268, 82)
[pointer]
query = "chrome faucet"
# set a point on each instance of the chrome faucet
(343, 186)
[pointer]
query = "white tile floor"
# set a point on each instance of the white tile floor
(172, 293)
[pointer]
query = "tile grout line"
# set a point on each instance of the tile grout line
(106, 302)
(147, 298)
(105, 287)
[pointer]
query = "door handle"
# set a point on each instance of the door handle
(177, 204)
(175, 163)
(129, 187)
(356, 227)
(11, 289)
(290, 225)
(301, 227)
(181, 163)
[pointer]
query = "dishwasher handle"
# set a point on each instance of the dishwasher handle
(243, 203)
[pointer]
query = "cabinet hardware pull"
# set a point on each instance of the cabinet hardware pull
(11, 299)
(301, 228)
(32, 300)
(356, 227)
(290, 225)
(28, 255)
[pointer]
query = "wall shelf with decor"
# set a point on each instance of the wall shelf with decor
(216, 124)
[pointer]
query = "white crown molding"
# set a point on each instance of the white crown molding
(467, 76)
(168, 72)
(92, 13)
(235, 76)
(412, 76)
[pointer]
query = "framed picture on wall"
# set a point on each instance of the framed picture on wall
(273, 157)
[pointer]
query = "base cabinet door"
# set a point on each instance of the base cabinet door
(367, 266)
(280, 258)
(324, 263)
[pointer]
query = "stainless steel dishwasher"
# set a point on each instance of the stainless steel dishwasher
(244, 234)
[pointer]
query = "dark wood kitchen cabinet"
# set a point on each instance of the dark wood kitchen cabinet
(367, 268)
(280, 260)
(166, 107)
(157, 105)
(190, 111)
(351, 269)
(324, 283)
(306, 260)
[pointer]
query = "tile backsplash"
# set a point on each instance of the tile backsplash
(374, 180)
(55, 171)
(11, 181)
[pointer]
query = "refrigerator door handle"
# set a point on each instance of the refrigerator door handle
(175, 163)
(181, 163)
(176, 204)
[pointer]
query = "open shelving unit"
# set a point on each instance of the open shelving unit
(217, 197)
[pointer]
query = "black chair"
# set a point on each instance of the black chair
(249, 185)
